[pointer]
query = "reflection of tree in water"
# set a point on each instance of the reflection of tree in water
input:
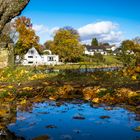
(7, 116)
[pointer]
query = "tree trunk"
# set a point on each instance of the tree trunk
(10, 9)
(11, 60)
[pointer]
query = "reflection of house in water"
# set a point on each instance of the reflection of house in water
(32, 57)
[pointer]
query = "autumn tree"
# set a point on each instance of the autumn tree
(66, 45)
(72, 30)
(48, 44)
(26, 36)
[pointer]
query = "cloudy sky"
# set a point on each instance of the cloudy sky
(108, 20)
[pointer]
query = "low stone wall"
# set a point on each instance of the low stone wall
(3, 57)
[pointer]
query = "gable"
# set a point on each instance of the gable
(32, 51)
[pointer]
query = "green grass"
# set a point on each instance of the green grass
(111, 59)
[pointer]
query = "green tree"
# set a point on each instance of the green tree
(94, 42)
(126, 54)
(66, 45)
(98, 58)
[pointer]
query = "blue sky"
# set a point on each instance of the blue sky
(108, 20)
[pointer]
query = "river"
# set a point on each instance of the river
(75, 120)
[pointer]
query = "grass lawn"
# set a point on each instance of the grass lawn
(111, 59)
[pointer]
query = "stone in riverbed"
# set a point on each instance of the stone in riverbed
(51, 126)
(137, 118)
(104, 117)
(45, 137)
(79, 117)
(108, 108)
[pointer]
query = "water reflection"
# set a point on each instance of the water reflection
(75, 120)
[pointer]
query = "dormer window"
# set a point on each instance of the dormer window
(32, 51)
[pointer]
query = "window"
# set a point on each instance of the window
(50, 58)
(30, 56)
(32, 51)
(30, 62)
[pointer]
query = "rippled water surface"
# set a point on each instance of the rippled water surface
(76, 121)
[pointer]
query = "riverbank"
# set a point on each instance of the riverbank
(29, 85)
(23, 87)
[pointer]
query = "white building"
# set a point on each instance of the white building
(104, 50)
(90, 50)
(32, 57)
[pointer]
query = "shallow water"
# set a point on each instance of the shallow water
(76, 121)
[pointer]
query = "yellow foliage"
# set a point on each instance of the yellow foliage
(3, 90)
(23, 102)
(95, 100)
(65, 90)
(134, 77)
(126, 93)
(3, 112)
(37, 76)
(10, 87)
(137, 69)
(90, 92)
(27, 88)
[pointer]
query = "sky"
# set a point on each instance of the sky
(108, 20)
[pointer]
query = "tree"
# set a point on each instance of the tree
(72, 30)
(27, 37)
(137, 40)
(9, 9)
(105, 44)
(48, 44)
(8, 34)
(126, 54)
(98, 58)
(66, 45)
(94, 42)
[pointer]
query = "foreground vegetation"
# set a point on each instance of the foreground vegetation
(27, 84)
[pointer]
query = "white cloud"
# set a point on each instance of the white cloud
(104, 31)
(44, 32)
(53, 31)
(40, 29)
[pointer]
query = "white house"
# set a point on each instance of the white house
(104, 50)
(32, 57)
(91, 50)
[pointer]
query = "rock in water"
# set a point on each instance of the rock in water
(79, 117)
(104, 117)
(9, 9)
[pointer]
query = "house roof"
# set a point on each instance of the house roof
(92, 48)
